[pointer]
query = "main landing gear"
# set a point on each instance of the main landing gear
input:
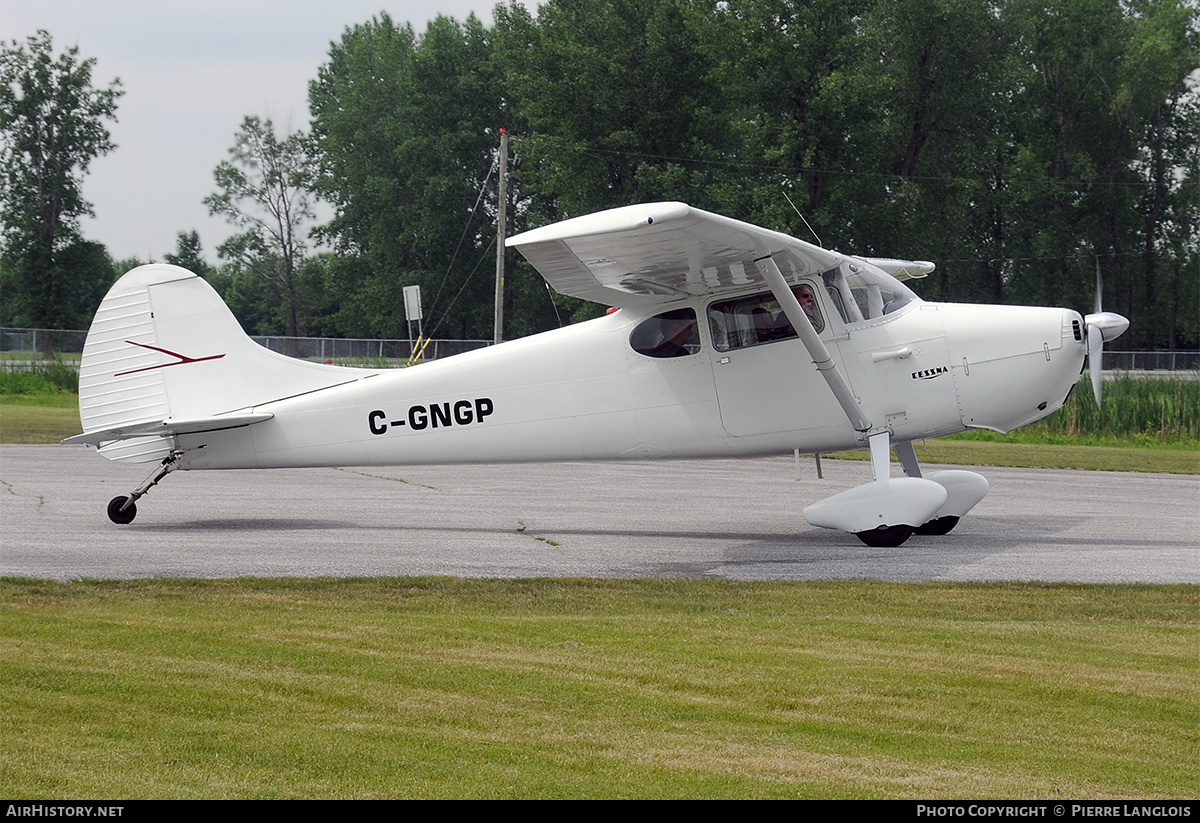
(938, 525)
(887, 511)
(886, 536)
(123, 508)
(892, 536)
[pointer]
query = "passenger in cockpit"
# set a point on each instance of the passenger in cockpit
(764, 324)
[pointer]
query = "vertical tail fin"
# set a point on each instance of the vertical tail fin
(163, 348)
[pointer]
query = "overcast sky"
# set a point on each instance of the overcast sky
(191, 71)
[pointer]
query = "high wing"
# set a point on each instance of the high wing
(659, 252)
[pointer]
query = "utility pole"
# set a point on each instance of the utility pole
(498, 332)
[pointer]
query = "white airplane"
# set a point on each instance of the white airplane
(727, 340)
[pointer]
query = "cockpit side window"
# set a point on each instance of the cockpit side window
(670, 334)
(750, 321)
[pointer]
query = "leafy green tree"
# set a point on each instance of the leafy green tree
(1177, 242)
(262, 191)
(189, 254)
(1072, 176)
(127, 264)
(357, 125)
(405, 131)
(87, 267)
(768, 122)
(1159, 98)
(254, 301)
(95, 272)
(51, 128)
(614, 93)
(925, 138)
(1098, 165)
(1014, 143)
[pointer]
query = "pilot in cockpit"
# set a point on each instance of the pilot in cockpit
(808, 302)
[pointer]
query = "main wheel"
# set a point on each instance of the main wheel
(886, 536)
(116, 515)
(939, 525)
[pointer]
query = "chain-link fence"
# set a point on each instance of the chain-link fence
(39, 342)
(1180, 360)
(36, 343)
(369, 352)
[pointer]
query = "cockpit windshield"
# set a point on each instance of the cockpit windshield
(862, 292)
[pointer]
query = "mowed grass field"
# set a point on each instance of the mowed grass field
(431, 688)
(40, 418)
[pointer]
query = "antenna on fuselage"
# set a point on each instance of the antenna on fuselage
(801, 215)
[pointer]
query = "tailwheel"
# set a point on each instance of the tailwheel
(119, 512)
(123, 509)
(938, 525)
(886, 536)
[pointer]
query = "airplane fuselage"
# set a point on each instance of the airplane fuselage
(584, 393)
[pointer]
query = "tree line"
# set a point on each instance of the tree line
(1021, 145)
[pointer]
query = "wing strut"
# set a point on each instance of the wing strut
(816, 349)
(886, 511)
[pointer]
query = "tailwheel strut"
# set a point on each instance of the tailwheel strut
(123, 508)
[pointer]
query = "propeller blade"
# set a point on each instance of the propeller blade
(1095, 357)
(1101, 327)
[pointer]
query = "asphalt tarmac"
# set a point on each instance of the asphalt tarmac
(737, 519)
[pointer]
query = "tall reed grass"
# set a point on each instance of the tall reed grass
(41, 377)
(1166, 409)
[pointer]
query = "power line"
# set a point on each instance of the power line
(599, 151)
(466, 228)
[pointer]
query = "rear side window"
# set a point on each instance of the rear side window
(670, 334)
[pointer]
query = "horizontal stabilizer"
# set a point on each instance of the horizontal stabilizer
(167, 428)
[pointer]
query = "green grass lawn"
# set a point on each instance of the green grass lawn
(598, 688)
(38, 418)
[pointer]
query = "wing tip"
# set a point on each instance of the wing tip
(608, 221)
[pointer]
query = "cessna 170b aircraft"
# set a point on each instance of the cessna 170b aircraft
(727, 340)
